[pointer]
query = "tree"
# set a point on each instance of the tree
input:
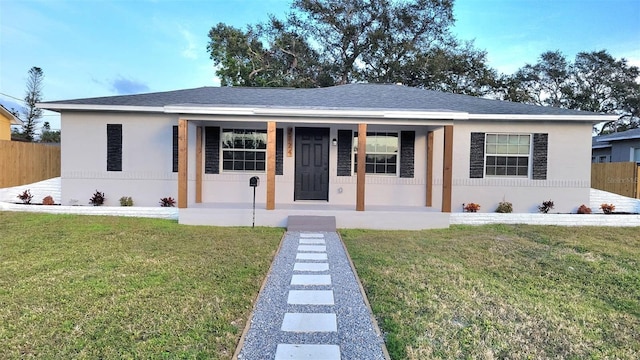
(31, 113)
(545, 83)
(458, 68)
(49, 136)
(595, 82)
(328, 42)
(604, 84)
(243, 59)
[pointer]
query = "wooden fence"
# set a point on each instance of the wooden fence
(24, 163)
(617, 177)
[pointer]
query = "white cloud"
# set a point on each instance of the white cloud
(190, 50)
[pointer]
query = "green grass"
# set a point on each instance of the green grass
(501, 291)
(112, 288)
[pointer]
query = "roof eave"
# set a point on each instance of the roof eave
(13, 120)
(621, 138)
(58, 107)
(525, 117)
(317, 113)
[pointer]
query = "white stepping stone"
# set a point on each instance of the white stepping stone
(310, 280)
(311, 256)
(309, 322)
(312, 248)
(310, 266)
(307, 351)
(312, 241)
(310, 297)
(311, 235)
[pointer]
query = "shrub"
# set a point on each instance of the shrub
(126, 201)
(48, 200)
(167, 202)
(607, 208)
(25, 197)
(504, 207)
(545, 207)
(97, 199)
(471, 207)
(583, 209)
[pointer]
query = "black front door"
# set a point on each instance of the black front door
(312, 164)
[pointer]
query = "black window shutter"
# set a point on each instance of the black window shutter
(279, 151)
(476, 156)
(114, 147)
(345, 137)
(212, 150)
(540, 145)
(175, 149)
(407, 153)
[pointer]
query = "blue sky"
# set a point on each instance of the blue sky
(90, 48)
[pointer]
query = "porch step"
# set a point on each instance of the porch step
(311, 223)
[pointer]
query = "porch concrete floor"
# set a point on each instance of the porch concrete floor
(374, 217)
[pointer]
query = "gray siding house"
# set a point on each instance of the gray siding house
(617, 147)
(375, 156)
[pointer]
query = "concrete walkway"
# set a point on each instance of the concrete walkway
(311, 305)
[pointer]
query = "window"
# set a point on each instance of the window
(507, 155)
(604, 158)
(244, 150)
(636, 155)
(381, 154)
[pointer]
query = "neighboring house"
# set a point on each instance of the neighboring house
(425, 151)
(616, 147)
(6, 120)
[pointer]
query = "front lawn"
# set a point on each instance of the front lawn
(109, 287)
(503, 291)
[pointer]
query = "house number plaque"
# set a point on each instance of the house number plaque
(289, 142)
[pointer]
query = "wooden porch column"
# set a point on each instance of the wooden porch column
(182, 163)
(429, 175)
(447, 168)
(360, 171)
(199, 164)
(271, 165)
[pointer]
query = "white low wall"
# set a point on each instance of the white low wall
(263, 219)
(545, 219)
(130, 211)
(362, 220)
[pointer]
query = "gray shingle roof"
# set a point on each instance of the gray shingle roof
(351, 96)
(619, 136)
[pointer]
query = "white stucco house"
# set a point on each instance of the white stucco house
(425, 153)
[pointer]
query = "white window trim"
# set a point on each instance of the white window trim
(529, 162)
(222, 149)
(354, 155)
(632, 154)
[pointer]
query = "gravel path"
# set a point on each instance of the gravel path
(356, 336)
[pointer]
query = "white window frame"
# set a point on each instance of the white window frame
(513, 150)
(232, 150)
(633, 154)
(354, 152)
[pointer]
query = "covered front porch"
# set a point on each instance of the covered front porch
(357, 200)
